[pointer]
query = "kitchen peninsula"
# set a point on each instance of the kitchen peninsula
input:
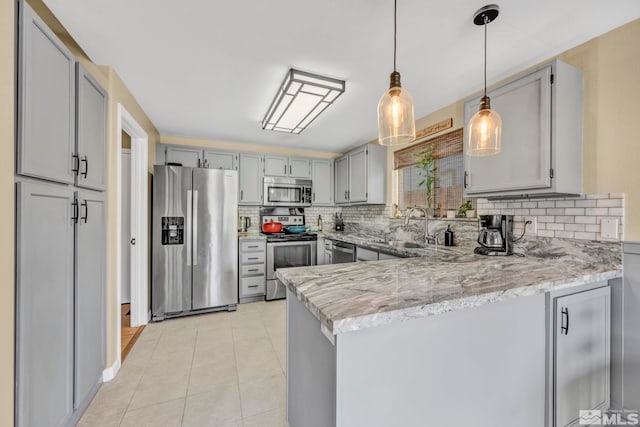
(451, 338)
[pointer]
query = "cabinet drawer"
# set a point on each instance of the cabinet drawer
(250, 286)
(252, 246)
(252, 270)
(252, 258)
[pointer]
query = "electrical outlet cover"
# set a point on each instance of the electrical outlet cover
(609, 228)
(533, 227)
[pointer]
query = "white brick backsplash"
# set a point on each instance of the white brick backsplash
(521, 211)
(537, 211)
(555, 227)
(529, 205)
(596, 211)
(555, 211)
(564, 234)
(514, 205)
(616, 196)
(546, 204)
(592, 228)
(598, 196)
(616, 212)
(585, 236)
(574, 227)
(546, 219)
(585, 220)
(565, 219)
(586, 203)
(574, 211)
(546, 233)
(609, 203)
(565, 204)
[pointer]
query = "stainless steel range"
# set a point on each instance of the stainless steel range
(286, 249)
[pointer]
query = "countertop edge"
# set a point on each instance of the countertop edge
(378, 319)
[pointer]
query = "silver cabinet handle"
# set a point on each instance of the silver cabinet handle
(289, 169)
(466, 175)
(564, 328)
(285, 169)
(314, 196)
(75, 168)
(195, 227)
(133, 241)
(252, 286)
(252, 258)
(86, 211)
(85, 160)
(252, 269)
(253, 246)
(241, 195)
(74, 215)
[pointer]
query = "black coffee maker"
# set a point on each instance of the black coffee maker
(496, 235)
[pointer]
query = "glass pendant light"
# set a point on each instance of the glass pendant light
(396, 120)
(485, 127)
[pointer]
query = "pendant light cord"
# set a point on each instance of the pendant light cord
(486, 21)
(395, 36)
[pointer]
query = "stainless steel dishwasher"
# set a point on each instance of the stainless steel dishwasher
(342, 252)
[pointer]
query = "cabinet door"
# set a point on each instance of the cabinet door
(342, 179)
(44, 295)
(581, 365)
(46, 113)
(358, 176)
(322, 182)
(91, 131)
(299, 168)
(251, 173)
(320, 260)
(631, 331)
(276, 166)
(525, 158)
(188, 157)
(220, 160)
(90, 295)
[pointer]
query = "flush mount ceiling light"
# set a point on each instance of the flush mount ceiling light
(300, 99)
(485, 127)
(396, 120)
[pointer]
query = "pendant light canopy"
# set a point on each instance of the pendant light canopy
(396, 120)
(485, 127)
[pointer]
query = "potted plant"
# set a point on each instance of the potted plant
(466, 210)
(427, 165)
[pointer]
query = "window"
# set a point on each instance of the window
(449, 162)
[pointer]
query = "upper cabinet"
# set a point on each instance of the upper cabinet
(361, 176)
(91, 132)
(251, 174)
(184, 156)
(541, 150)
(220, 160)
(322, 182)
(46, 110)
(287, 166)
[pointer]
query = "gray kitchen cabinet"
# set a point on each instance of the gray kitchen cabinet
(629, 321)
(342, 180)
(90, 295)
(185, 156)
(276, 165)
(322, 182)
(320, 258)
(220, 160)
(299, 168)
(91, 131)
(364, 254)
(251, 174)
(252, 283)
(46, 106)
(45, 304)
(541, 136)
(581, 354)
(361, 176)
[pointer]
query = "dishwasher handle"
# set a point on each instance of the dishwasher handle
(344, 249)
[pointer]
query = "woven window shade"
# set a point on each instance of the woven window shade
(446, 145)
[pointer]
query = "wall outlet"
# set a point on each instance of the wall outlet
(609, 228)
(533, 227)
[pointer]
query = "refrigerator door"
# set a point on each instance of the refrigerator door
(215, 241)
(171, 240)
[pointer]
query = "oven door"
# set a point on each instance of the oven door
(289, 254)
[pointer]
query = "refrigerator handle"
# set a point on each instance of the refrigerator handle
(195, 227)
(188, 226)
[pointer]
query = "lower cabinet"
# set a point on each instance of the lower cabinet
(60, 348)
(581, 353)
(252, 258)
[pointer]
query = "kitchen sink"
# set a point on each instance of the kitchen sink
(402, 244)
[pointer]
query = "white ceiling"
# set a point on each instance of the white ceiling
(209, 69)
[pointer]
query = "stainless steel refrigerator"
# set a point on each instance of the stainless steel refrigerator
(194, 238)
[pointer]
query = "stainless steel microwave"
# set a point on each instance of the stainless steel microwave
(286, 192)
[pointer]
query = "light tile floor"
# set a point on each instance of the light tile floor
(213, 370)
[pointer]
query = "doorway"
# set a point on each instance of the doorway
(132, 259)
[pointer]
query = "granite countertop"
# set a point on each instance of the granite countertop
(251, 235)
(349, 297)
(378, 243)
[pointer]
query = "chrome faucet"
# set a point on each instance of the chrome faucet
(428, 238)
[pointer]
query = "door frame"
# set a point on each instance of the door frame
(139, 222)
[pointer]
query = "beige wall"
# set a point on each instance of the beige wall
(611, 128)
(234, 146)
(7, 99)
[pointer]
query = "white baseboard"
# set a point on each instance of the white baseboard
(110, 373)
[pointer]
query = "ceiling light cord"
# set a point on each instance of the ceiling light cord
(486, 21)
(395, 32)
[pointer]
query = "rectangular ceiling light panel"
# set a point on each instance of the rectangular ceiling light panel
(300, 99)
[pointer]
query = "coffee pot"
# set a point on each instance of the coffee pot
(496, 235)
(245, 223)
